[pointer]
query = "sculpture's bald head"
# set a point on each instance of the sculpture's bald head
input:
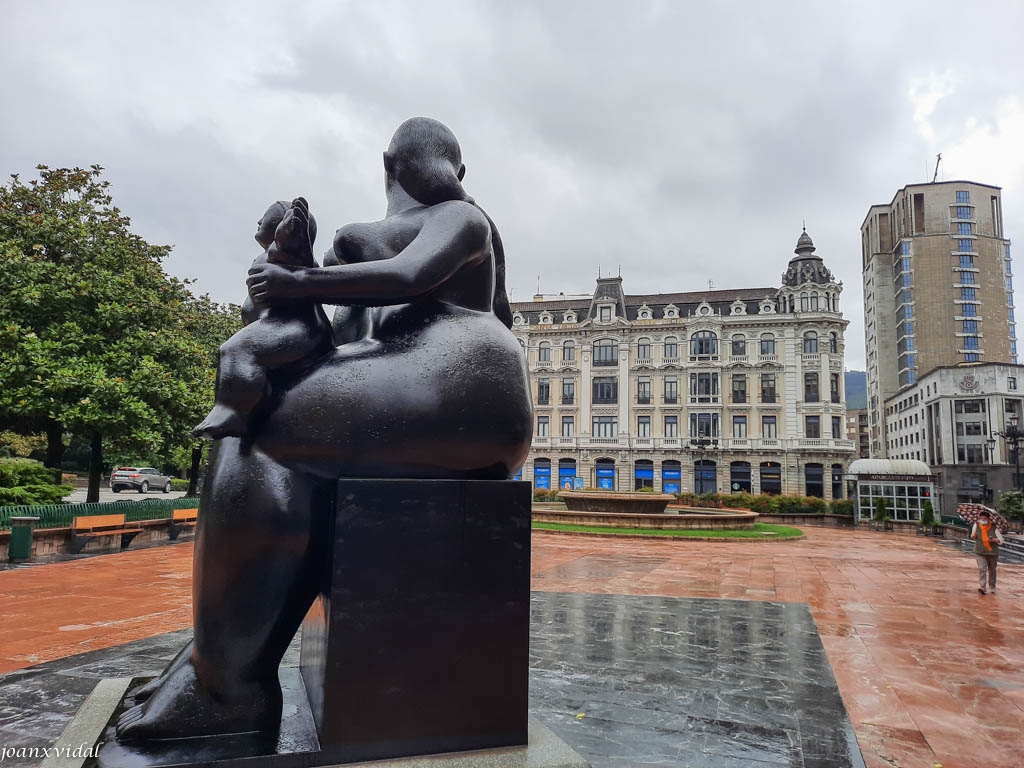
(425, 159)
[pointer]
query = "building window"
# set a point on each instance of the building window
(834, 387)
(606, 426)
(542, 473)
(704, 387)
(643, 349)
(767, 344)
(963, 196)
(739, 346)
(739, 426)
(769, 427)
(970, 326)
(963, 212)
(969, 310)
(643, 390)
(767, 387)
(966, 261)
(739, 476)
(837, 427)
(544, 352)
(643, 426)
(568, 352)
(964, 228)
(568, 426)
(810, 343)
(1011, 383)
(966, 278)
(812, 426)
(971, 357)
(568, 391)
(605, 314)
(965, 244)
(543, 391)
(810, 387)
(703, 425)
(671, 391)
(671, 348)
(833, 342)
(969, 294)
(739, 388)
(970, 342)
(703, 343)
(814, 480)
(643, 474)
(671, 426)
(771, 477)
(971, 453)
(606, 352)
(542, 426)
(837, 481)
(606, 390)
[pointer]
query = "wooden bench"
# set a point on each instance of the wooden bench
(85, 529)
(182, 519)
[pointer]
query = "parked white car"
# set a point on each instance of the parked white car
(141, 479)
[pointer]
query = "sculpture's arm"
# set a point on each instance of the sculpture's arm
(456, 234)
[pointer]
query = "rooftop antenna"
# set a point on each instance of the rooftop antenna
(938, 159)
(620, 270)
(711, 285)
(538, 283)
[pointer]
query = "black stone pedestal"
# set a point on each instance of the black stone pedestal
(420, 642)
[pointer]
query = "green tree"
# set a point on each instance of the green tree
(96, 337)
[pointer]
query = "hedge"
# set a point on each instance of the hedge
(26, 482)
(765, 504)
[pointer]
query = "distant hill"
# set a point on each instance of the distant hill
(856, 389)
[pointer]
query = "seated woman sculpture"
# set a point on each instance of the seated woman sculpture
(427, 381)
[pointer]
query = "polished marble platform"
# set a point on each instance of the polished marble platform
(626, 681)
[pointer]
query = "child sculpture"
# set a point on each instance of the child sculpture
(273, 338)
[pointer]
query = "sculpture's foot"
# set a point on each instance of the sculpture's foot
(223, 421)
(181, 707)
(142, 692)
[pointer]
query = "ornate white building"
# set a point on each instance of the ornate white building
(703, 391)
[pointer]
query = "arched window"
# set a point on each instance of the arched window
(568, 351)
(814, 480)
(705, 476)
(605, 471)
(814, 301)
(703, 343)
(606, 352)
(643, 348)
(810, 343)
(544, 352)
(767, 344)
(739, 477)
(671, 347)
(643, 474)
(566, 474)
(833, 342)
(771, 477)
(542, 473)
(805, 303)
(671, 474)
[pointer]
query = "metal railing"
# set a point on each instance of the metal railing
(61, 515)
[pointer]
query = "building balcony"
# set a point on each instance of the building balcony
(706, 399)
(568, 364)
(643, 443)
(645, 361)
(566, 442)
(604, 442)
(670, 361)
(541, 442)
(811, 357)
(767, 358)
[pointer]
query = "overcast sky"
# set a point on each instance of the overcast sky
(684, 141)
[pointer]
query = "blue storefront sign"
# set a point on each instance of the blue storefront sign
(606, 478)
(565, 476)
(542, 476)
(670, 480)
(577, 483)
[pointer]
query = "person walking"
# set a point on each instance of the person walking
(987, 539)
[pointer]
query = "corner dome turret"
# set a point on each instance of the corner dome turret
(806, 266)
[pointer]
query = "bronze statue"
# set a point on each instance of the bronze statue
(426, 381)
(274, 337)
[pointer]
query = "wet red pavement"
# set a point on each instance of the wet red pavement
(931, 672)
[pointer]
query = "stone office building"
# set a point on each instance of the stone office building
(702, 391)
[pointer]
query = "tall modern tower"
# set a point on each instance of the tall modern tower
(937, 288)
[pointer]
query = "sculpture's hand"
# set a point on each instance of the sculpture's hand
(268, 282)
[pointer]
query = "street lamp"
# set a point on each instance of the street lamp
(1014, 436)
(701, 444)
